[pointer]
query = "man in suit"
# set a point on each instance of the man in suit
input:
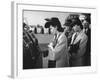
(86, 22)
(78, 44)
(58, 50)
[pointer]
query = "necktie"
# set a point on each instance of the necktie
(74, 38)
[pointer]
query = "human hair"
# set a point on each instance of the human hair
(77, 22)
(58, 25)
(55, 23)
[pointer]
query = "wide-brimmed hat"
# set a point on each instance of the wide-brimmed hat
(68, 22)
(52, 21)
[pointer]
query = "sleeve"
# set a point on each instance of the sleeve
(59, 48)
(82, 47)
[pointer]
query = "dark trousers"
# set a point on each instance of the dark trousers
(51, 64)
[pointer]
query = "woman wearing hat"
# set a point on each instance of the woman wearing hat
(58, 52)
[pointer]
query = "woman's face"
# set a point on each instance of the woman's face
(53, 30)
(76, 28)
(67, 28)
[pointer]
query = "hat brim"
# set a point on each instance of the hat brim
(47, 19)
(47, 24)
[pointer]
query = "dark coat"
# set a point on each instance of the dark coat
(32, 57)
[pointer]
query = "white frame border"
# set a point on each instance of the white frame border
(16, 70)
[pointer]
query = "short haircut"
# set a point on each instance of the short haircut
(77, 22)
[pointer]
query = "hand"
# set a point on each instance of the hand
(50, 44)
(50, 47)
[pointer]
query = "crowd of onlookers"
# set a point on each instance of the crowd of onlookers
(71, 45)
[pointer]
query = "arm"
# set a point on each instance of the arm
(82, 47)
(59, 48)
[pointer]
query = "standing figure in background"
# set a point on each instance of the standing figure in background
(31, 53)
(86, 22)
(67, 25)
(78, 44)
(58, 48)
(68, 30)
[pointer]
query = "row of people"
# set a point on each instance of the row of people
(70, 46)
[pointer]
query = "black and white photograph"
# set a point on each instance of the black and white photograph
(51, 40)
(56, 39)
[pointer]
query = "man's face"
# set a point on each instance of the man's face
(76, 28)
(85, 24)
(53, 30)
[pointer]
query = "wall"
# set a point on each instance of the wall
(5, 38)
